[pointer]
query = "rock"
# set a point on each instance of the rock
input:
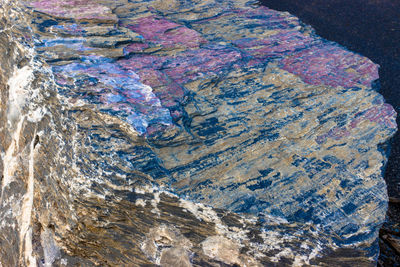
(221, 249)
(393, 242)
(76, 9)
(186, 133)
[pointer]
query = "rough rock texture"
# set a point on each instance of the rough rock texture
(185, 133)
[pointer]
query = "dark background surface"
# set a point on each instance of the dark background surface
(371, 28)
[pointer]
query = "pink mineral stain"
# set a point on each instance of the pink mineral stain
(185, 66)
(192, 65)
(384, 114)
(282, 43)
(139, 62)
(135, 48)
(331, 65)
(169, 92)
(166, 33)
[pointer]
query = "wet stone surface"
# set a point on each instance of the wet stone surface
(189, 133)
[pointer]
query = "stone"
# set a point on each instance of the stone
(222, 249)
(185, 133)
(77, 9)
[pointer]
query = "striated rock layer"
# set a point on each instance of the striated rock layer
(185, 133)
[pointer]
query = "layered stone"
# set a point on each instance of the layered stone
(276, 133)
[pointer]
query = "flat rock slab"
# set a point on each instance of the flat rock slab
(227, 104)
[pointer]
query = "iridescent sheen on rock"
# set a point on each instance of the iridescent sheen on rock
(114, 90)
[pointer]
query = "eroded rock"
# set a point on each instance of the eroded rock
(185, 133)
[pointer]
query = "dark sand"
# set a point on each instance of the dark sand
(371, 28)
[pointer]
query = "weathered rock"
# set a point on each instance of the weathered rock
(82, 10)
(270, 138)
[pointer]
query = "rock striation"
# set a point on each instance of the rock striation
(185, 133)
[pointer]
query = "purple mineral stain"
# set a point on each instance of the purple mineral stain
(384, 114)
(335, 133)
(278, 44)
(204, 62)
(135, 48)
(165, 33)
(329, 64)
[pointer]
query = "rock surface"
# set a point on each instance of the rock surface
(185, 133)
